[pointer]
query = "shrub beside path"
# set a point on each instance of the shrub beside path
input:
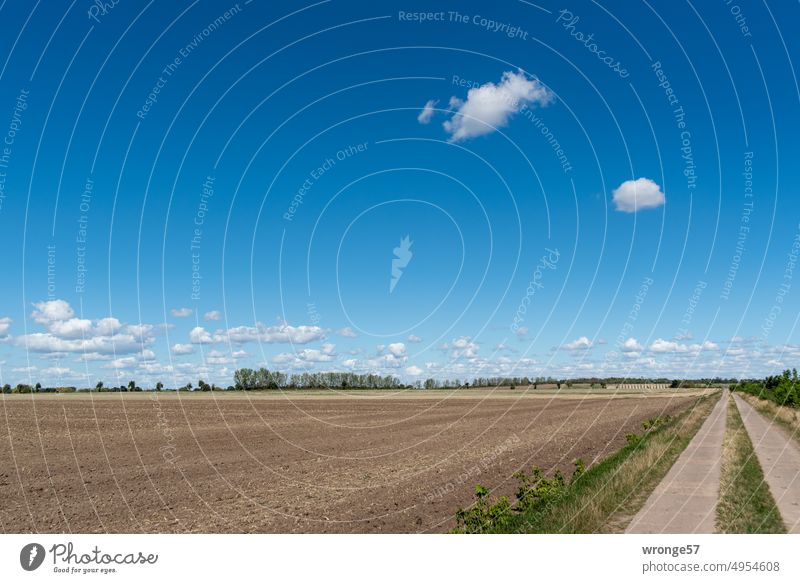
(685, 500)
(779, 457)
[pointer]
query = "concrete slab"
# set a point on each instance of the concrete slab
(686, 499)
(779, 456)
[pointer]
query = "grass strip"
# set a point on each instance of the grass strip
(745, 503)
(607, 495)
(787, 417)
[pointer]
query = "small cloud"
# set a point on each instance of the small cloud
(463, 347)
(347, 332)
(427, 111)
(491, 105)
(212, 315)
(182, 349)
(181, 312)
(636, 195)
(582, 343)
(397, 348)
(661, 345)
(199, 335)
(414, 371)
(668, 346)
(631, 345)
(5, 327)
(522, 332)
(52, 311)
(502, 347)
(413, 338)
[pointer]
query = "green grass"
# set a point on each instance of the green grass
(786, 417)
(607, 495)
(745, 503)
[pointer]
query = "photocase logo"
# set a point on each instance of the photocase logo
(402, 256)
(31, 556)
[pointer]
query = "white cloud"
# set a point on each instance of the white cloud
(491, 105)
(636, 195)
(182, 349)
(124, 362)
(5, 327)
(139, 330)
(414, 338)
(284, 358)
(661, 345)
(631, 345)
(582, 343)
(218, 357)
(108, 326)
(52, 311)
(284, 333)
(92, 343)
(58, 371)
(668, 346)
(414, 371)
(347, 332)
(72, 328)
(212, 315)
(315, 355)
(464, 347)
(181, 312)
(327, 353)
(503, 347)
(397, 348)
(522, 331)
(274, 334)
(199, 335)
(427, 112)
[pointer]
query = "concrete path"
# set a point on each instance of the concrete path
(779, 456)
(686, 499)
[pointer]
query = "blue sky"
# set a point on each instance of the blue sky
(586, 189)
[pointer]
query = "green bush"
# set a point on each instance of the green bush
(782, 389)
(534, 491)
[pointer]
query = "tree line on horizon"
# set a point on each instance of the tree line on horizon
(783, 389)
(248, 379)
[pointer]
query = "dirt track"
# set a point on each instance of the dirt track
(202, 463)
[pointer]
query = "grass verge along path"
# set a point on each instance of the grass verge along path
(607, 495)
(779, 457)
(787, 417)
(745, 504)
(686, 498)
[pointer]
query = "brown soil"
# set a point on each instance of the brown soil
(254, 463)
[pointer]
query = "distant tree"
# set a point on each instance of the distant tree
(38, 387)
(99, 386)
(6, 388)
(132, 386)
(159, 386)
